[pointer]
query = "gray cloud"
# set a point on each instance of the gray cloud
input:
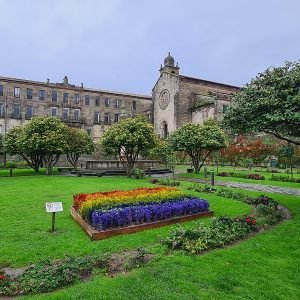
(120, 45)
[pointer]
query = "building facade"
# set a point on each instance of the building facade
(90, 109)
(179, 99)
(176, 100)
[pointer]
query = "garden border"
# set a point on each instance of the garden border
(100, 235)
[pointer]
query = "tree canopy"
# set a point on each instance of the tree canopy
(128, 139)
(270, 103)
(79, 142)
(198, 141)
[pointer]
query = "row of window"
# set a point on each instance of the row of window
(54, 97)
(75, 115)
(16, 111)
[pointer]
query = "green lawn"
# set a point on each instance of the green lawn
(263, 267)
(267, 176)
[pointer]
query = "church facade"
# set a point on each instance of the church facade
(179, 99)
(175, 100)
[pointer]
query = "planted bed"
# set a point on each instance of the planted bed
(105, 214)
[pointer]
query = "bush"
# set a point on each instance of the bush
(255, 176)
(47, 276)
(284, 178)
(241, 175)
(222, 231)
(154, 180)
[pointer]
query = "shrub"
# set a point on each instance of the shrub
(284, 178)
(47, 276)
(255, 177)
(154, 180)
(222, 231)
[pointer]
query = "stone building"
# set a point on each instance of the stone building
(90, 109)
(179, 99)
(176, 100)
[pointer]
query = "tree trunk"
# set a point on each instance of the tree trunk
(50, 160)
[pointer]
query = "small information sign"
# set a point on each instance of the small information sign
(54, 207)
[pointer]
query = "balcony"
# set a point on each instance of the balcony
(70, 120)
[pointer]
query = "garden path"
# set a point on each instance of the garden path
(249, 186)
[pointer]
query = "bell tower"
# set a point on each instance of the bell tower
(164, 95)
(169, 66)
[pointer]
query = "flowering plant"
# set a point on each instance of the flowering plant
(146, 213)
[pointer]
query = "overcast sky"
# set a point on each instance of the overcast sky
(119, 45)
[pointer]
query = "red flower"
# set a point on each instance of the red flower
(2, 276)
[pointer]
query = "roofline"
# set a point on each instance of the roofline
(73, 87)
(208, 81)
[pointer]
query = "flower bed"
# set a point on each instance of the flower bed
(105, 214)
(241, 175)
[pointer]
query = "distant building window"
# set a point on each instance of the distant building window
(116, 118)
(97, 117)
(29, 112)
(76, 114)
(106, 102)
(53, 111)
(134, 105)
(42, 95)
(106, 118)
(65, 114)
(117, 103)
(77, 98)
(1, 90)
(54, 96)
(65, 97)
(29, 93)
(97, 101)
(87, 100)
(225, 107)
(2, 111)
(16, 92)
(16, 111)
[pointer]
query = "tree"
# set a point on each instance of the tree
(270, 103)
(164, 152)
(42, 139)
(288, 154)
(128, 139)
(79, 142)
(198, 141)
(14, 145)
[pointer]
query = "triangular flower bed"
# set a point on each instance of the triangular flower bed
(106, 214)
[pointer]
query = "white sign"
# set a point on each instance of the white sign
(54, 207)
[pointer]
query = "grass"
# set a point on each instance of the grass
(267, 175)
(262, 267)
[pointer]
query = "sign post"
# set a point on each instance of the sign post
(53, 207)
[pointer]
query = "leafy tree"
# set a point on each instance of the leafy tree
(14, 145)
(257, 151)
(232, 154)
(163, 152)
(43, 139)
(47, 137)
(128, 139)
(198, 141)
(79, 142)
(288, 154)
(270, 103)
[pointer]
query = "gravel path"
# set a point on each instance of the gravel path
(250, 186)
